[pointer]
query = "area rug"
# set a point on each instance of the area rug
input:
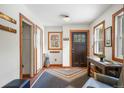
(69, 72)
(61, 78)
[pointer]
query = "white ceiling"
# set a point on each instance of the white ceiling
(49, 14)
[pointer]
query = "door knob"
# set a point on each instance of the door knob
(22, 66)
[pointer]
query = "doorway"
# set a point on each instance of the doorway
(26, 50)
(26, 47)
(38, 49)
(79, 47)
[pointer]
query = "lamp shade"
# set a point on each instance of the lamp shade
(66, 19)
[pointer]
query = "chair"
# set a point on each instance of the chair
(104, 81)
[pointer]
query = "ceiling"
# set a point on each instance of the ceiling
(49, 14)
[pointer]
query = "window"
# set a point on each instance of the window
(99, 38)
(118, 23)
(79, 38)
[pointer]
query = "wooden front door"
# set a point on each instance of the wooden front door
(79, 49)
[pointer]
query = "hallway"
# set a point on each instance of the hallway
(61, 45)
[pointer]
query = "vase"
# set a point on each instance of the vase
(47, 63)
(101, 59)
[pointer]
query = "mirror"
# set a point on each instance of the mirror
(99, 38)
(118, 23)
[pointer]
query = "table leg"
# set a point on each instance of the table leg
(88, 68)
(104, 71)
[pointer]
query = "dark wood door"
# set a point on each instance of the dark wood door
(79, 49)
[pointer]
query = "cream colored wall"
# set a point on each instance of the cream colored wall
(9, 43)
(107, 16)
(52, 56)
(63, 57)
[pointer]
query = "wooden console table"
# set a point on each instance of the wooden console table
(104, 66)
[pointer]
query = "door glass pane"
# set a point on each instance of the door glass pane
(75, 38)
(79, 38)
(83, 38)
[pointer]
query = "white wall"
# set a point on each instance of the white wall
(107, 16)
(66, 44)
(9, 43)
(52, 56)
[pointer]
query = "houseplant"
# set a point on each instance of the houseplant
(101, 56)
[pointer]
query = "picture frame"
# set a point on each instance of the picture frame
(108, 36)
(54, 40)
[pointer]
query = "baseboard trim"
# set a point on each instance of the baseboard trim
(58, 65)
(66, 66)
(26, 76)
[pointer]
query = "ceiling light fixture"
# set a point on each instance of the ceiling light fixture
(66, 18)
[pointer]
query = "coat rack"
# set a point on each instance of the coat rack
(9, 19)
(2, 27)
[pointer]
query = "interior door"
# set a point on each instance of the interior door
(79, 49)
(26, 50)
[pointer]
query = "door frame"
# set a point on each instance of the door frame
(88, 43)
(41, 36)
(21, 18)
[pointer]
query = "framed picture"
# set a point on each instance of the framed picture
(108, 37)
(54, 40)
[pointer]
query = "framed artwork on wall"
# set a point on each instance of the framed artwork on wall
(108, 36)
(54, 40)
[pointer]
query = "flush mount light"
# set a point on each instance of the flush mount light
(66, 18)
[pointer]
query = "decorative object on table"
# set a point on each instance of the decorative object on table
(47, 62)
(101, 56)
(55, 40)
(108, 36)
